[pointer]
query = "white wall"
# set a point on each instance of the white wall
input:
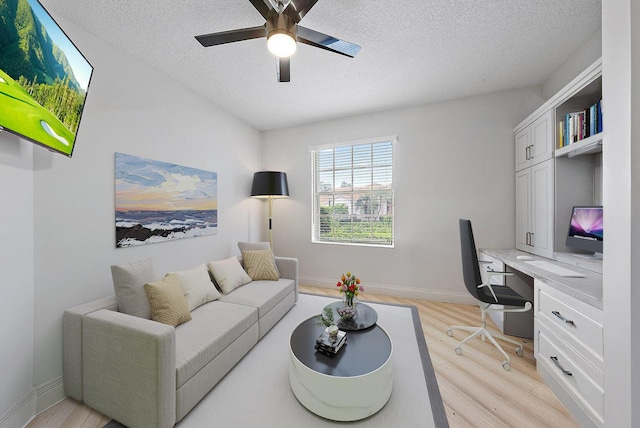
(575, 64)
(453, 159)
(621, 174)
(70, 242)
(16, 283)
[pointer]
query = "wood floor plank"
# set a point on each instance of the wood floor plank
(466, 411)
(475, 389)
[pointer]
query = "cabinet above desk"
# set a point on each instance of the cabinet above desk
(587, 288)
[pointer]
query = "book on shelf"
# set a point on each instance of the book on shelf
(328, 345)
(578, 125)
(599, 116)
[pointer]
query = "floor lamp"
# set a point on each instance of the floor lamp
(270, 184)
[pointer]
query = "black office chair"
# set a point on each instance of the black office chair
(488, 294)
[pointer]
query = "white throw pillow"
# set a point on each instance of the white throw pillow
(128, 283)
(228, 274)
(197, 286)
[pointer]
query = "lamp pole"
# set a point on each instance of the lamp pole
(270, 221)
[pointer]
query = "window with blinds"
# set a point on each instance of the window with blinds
(353, 193)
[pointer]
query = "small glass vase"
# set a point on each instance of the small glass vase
(350, 303)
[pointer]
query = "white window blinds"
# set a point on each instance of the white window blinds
(353, 193)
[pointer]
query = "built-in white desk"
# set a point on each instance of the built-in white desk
(587, 289)
(567, 326)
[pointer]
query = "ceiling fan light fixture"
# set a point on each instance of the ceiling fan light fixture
(281, 35)
(281, 44)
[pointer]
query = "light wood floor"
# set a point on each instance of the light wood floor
(476, 390)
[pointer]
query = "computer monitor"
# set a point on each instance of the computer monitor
(586, 229)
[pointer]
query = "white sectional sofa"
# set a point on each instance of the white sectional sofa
(143, 373)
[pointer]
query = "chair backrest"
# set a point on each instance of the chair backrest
(470, 266)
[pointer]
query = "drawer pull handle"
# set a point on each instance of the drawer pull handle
(556, 313)
(555, 360)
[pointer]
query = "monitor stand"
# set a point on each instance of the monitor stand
(594, 256)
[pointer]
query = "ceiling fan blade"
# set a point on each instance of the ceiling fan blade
(223, 37)
(261, 7)
(297, 9)
(324, 41)
(284, 69)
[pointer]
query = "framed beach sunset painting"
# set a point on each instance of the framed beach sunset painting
(159, 201)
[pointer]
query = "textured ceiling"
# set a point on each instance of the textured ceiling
(413, 51)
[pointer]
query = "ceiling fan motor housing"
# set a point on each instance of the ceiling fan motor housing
(280, 23)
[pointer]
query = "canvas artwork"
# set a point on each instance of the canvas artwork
(159, 201)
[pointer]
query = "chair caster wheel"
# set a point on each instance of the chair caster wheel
(459, 350)
(519, 352)
(450, 333)
(506, 365)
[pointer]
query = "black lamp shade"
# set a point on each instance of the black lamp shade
(270, 183)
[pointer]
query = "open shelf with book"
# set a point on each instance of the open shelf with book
(579, 116)
(586, 146)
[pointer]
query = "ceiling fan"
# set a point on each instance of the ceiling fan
(282, 32)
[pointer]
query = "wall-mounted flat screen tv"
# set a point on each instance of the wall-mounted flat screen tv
(43, 77)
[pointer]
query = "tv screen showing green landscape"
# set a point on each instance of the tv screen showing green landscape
(43, 77)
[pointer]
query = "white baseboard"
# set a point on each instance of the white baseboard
(39, 399)
(50, 393)
(21, 413)
(399, 291)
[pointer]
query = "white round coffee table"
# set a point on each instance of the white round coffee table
(352, 385)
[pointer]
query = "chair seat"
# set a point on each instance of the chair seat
(506, 296)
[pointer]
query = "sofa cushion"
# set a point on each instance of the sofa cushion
(197, 286)
(228, 274)
(260, 265)
(264, 295)
(128, 284)
(213, 327)
(167, 301)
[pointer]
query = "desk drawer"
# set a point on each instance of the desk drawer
(495, 265)
(582, 387)
(560, 311)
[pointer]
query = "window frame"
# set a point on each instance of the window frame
(317, 194)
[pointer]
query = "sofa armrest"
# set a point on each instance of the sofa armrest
(72, 342)
(288, 268)
(129, 368)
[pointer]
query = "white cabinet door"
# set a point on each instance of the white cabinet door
(542, 139)
(534, 144)
(523, 209)
(542, 203)
(534, 209)
(523, 147)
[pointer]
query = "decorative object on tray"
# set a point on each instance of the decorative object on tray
(326, 319)
(350, 286)
(347, 313)
(363, 319)
(329, 344)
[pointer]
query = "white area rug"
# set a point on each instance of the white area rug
(256, 393)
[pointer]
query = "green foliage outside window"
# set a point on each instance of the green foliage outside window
(336, 224)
